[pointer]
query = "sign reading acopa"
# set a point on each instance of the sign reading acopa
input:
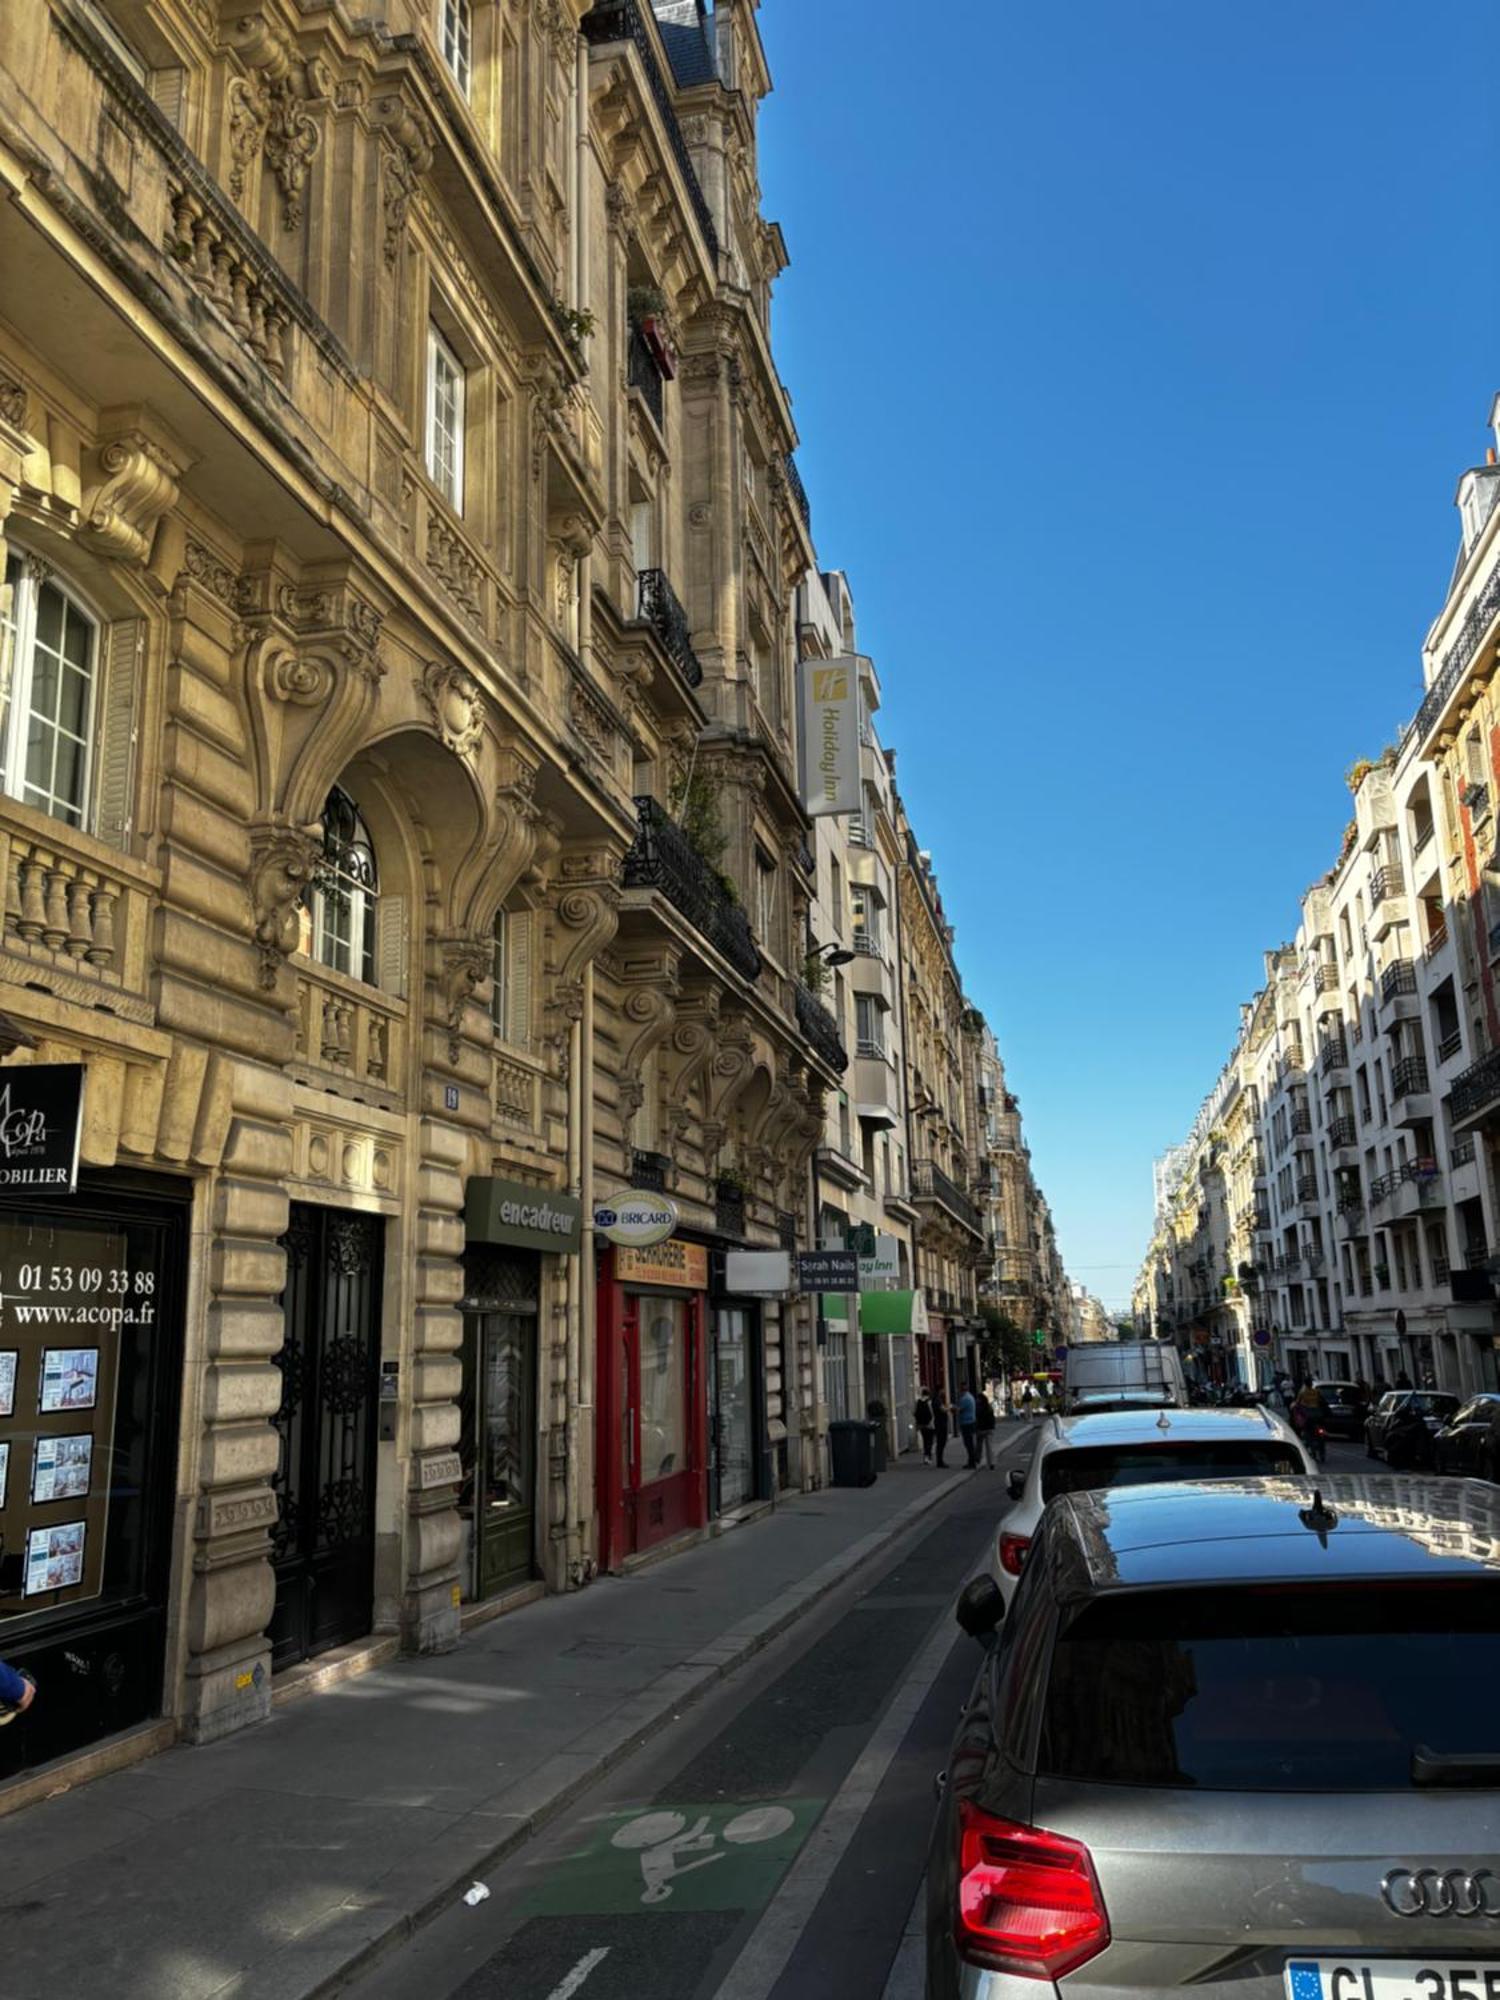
(638, 1220)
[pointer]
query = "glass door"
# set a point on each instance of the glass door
(732, 1418)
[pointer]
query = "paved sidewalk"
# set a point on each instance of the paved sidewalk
(263, 1867)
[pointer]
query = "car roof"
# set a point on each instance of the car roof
(1367, 1528)
(1163, 1425)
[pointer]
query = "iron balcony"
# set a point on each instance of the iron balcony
(658, 606)
(620, 21)
(664, 859)
(820, 1029)
(1409, 1077)
(1342, 1133)
(643, 373)
(1476, 1093)
(1400, 977)
(1478, 619)
(930, 1183)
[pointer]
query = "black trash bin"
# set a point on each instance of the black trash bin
(875, 1411)
(851, 1448)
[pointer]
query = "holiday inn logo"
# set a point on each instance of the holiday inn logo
(830, 683)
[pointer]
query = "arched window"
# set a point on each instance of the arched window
(343, 897)
(47, 704)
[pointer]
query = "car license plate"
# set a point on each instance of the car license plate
(1390, 1979)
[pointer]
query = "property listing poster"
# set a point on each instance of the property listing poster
(69, 1296)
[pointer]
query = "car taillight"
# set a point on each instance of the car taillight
(1028, 1901)
(1013, 1552)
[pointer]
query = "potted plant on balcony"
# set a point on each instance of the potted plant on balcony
(651, 316)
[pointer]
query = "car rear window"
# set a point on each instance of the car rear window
(1143, 1464)
(1267, 1689)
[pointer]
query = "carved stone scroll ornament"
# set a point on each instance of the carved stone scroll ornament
(465, 962)
(456, 706)
(407, 156)
(13, 402)
(267, 110)
(283, 861)
(137, 484)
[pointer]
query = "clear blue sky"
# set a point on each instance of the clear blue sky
(1136, 347)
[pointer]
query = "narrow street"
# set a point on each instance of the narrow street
(769, 1846)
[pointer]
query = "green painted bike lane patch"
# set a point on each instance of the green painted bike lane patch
(727, 1856)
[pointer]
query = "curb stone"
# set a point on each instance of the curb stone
(411, 1895)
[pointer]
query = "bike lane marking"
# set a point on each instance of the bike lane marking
(726, 1855)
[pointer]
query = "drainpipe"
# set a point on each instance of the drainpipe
(580, 178)
(576, 1285)
(583, 1361)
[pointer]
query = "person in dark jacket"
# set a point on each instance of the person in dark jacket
(17, 1692)
(985, 1424)
(942, 1419)
(922, 1417)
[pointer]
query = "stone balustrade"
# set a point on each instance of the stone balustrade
(73, 904)
(350, 1030)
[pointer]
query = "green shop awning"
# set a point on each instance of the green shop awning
(892, 1312)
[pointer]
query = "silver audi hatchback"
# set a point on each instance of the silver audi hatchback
(1239, 1738)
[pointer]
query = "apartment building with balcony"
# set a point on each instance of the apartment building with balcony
(866, 1353)
(399, 814)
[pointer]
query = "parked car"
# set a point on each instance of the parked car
(1130, 1448)
(1470, 1440)
(1402, 1425)
(1235, 1738)
(1347, 1406)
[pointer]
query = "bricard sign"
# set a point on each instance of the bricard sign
(41, 1115)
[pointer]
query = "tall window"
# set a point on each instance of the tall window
(47, 709)
(869, 1019)
(457, 29)
(344, 896)
(445, 420)
(765, 901)
(499, 972)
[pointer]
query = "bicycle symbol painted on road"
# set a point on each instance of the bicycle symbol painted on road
(669, 1847)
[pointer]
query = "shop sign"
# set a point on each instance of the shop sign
(827, 1271)
(640, 1219)
(41, 1114)
(759, 1273)
(893, 1313)
(884, 1266)
(829, 739)
(526, 1218)
(683, 1266)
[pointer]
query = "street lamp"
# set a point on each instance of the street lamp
(831, 954)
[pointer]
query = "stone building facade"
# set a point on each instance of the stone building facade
(399, 814)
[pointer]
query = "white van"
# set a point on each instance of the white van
(1122, 1375)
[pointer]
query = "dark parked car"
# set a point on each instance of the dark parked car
(1470, 1441)
(1235, 1739)
(1404, 1422)
(1347, 1404)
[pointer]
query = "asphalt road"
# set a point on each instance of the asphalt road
(770, 1845)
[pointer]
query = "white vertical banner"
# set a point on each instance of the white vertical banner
(828, 709)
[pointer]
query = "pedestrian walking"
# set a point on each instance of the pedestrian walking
(17, 1693)
(968, 1419)
(942, 1423)
(985, 1423)
(922, 1416)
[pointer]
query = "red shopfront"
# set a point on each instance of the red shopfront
(653, 1404)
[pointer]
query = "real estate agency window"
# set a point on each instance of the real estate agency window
(47, 712)
(445, 419)
(456, 36)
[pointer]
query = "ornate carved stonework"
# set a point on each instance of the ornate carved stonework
(283, 861)
(406, 158)
(268, 110)
(137, 484)
(465, 962)
(13, 402)
(456, 704)
(214, 576)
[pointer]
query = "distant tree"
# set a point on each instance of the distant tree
(1125, 1329)
(1006, 1348)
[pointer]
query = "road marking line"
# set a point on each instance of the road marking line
(769, 1949)
(587, 1964)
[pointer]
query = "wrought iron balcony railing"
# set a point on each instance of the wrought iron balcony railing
(658, 606)
(798, 490)
(1409, 1076)
(643, 374)
(820, 1029)
(1326, 979)
(664, 859)
(1307, 1188)
(1450, 1045)
(649, 1171)
(930, 1183)
(1462, 1155)
(1301, 1123)
(1478, 619)
(1477, 1090)
(1342, 1133)
(1398, 977)
(1333, 1055)
(1386, 881)
(620, 21)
